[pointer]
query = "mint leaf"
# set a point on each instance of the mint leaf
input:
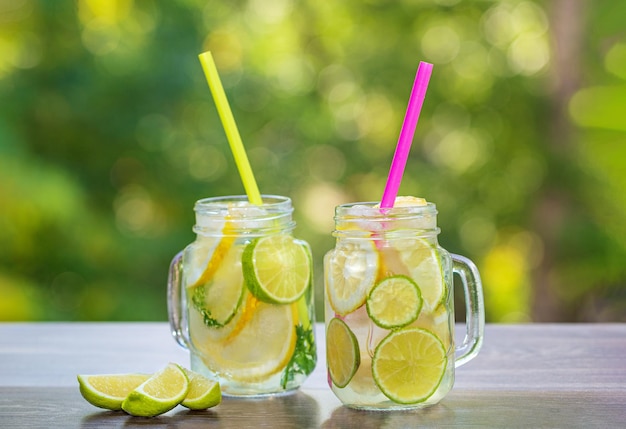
(304, 356)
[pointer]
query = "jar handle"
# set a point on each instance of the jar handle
(174, 300)
(474, 309)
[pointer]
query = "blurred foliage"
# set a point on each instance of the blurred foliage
(108, 135)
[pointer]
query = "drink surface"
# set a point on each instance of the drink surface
(389, 309)
(249, 305)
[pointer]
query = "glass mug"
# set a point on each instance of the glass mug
(389, 308)
(240, 297)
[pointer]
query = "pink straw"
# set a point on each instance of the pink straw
(403, 147)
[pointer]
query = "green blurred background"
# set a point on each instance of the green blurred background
(109, 134)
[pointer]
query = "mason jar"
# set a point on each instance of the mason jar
(240, 297)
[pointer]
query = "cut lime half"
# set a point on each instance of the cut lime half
(342, 352)
(408, 365)
(394, 302)
(277, 268)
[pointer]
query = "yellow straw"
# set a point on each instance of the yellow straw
(232, 133)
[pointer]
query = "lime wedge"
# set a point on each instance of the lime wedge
(159, 393)
(351, 271)
(221, 294)
(109, 390)
(394, 302)
(277, 269)
(342, 352)
(408, 365)
(203, 393)
(421, 259)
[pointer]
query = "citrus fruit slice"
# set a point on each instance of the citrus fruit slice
(424, 267)
(394, 302)
(351, 271)
(406, 201)
(159, 393)
(109, 390)
(207, 247)
(261, 344)
(342, 352)
(203, 393)
(219, 297)
(408, 365)
(277, 268)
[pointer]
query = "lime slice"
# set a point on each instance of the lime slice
(219, 297)
(408, 365)
(424, 267)
(394, 302)
(203, 393)
(158, 394)
(351, 271)
(342, 352)
(277, 269)
(260, 345)
(109, 390)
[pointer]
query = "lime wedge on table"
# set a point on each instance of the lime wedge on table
(203, 393)
(351, 271)
(277, 269)
(219, 296)
(422, 262)
(408, 365)
(394, 302)
(159, 393)
(342, 354)
(109, 390)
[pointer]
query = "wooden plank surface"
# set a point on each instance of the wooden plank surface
(526, 376)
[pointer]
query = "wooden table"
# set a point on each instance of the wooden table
(526, 376)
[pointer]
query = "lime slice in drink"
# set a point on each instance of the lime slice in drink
(260, 345)
(408, 365)
(109, 390)
(422, 262)
(277, 269)
(394, 302)
(342, 352)
(219, 297)
(351, 271)
(158, 394)
(203, 393)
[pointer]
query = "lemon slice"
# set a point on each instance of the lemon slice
(277, 269)
(211, 249)
(261, 344)
(394, 302)
(342, 352)
(408, 365)
(109, 390)
(407, 201)
(219, 297)
(203, 393)
(159, 393)
(351, 271)
(423, 264)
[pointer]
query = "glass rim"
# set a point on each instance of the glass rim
(272, 203)
(368, 209)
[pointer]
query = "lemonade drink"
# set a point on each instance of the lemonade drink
(389, 307)
(241, 297)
